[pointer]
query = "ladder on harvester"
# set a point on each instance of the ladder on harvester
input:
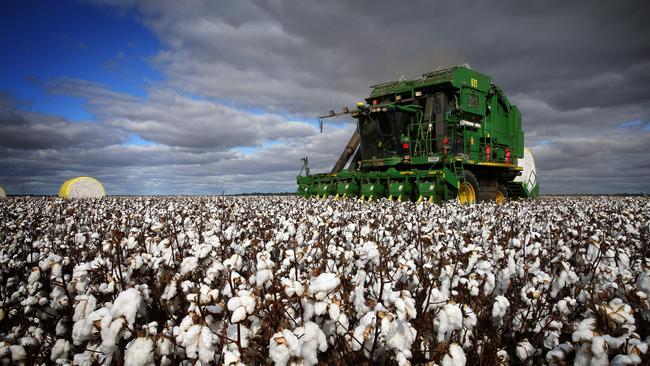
(459, 170)
(424, 136)
(515, 189)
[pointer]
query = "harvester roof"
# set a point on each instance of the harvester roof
(457, 76)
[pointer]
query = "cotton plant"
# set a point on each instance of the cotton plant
(237, 280)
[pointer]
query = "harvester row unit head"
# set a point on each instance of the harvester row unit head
(449, 134)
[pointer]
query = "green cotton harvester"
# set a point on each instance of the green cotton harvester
(449, 134)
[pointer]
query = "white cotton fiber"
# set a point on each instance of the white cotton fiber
(139, 352)
(126, 305)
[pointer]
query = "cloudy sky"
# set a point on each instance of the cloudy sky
(200, 97)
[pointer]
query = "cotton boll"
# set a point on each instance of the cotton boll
(292, 287)
(34, 276)
(278, 350)
(203, 251)
(207, 339)
(515, 243)
(110, 333)
(61, 327)
(324, 283)
(241, 305)
(566, 277)
(231, 355)
(558, 355)
(18, 353)
(399, 336)
(163, 346)
(565, 306)
(503, 358)
(643, 280)
(198, 342)
(626, 360)
(282, 346)
(449, 319)
(238, 315)
(368, 254)
(334, 311)
(60, 350)
(189, 264)
(313, 340)
(84, 327)
(363, 334)
(525, 350)
(551, 338)
(264, 268)
(500, 308)
(170, 291)
(455, 356)
(469, 317)
(303, 343)
(320, 308)
(619, 314)
(126, 305)
(235, 262)
(139, 352)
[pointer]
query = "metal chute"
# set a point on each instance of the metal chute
(350, 148)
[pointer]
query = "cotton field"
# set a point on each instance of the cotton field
(283, 280)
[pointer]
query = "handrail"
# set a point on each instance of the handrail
(532, 175)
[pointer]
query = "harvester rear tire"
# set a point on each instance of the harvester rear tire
(468, 190)
(502, 194)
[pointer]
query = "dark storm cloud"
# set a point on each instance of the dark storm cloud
(570, 54)
(577, 70)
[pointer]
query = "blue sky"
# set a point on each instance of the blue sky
(156, 97)
(44, 40)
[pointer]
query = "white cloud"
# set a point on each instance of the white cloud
(170, 118)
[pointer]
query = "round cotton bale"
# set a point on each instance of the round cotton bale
(82, 187)
(529, 173)
(3, 193)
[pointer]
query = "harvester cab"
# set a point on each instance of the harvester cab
(449, 134)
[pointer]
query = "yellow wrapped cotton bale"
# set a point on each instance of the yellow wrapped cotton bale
(3, 193)
(82, 187)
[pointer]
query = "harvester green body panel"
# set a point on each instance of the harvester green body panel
(425, 138)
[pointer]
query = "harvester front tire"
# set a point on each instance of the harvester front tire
(468, 189)
(502, 194)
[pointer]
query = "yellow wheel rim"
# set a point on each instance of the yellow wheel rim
(500, 198)
(466, 194)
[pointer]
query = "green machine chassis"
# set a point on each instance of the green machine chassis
(448, 134)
